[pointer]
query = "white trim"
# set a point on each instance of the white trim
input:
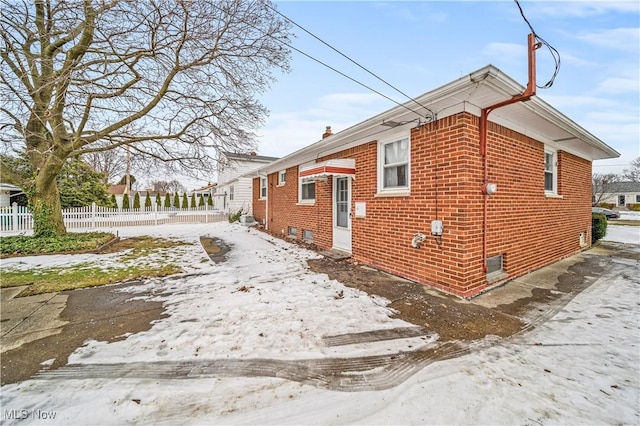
(265, 187)
(396, 190)
(554, 171)
(305, 181)
(281, 182)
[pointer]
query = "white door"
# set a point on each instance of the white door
(342, 213)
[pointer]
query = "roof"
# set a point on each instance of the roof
(471, 93)
(616, 187)
(249, 157)
(9, 187)
(117, 189)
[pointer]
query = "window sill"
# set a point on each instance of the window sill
(496, 276)
(306, 203)
(279, 185)
(552, 195)
(400, 193)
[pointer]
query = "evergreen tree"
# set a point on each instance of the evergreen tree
(193, 201)
(147, 200)
(114, 202)
(125, 202)
(136, 201)
(167, 200)
(158, 200)
(210, 200)
(200, 201)
(176, 201)
(185, 201)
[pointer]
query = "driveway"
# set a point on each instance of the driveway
(269, 310)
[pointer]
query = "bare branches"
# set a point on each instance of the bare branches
(602, 187)
(178, 77)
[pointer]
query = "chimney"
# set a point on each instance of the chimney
(327, 132)
(253, 153)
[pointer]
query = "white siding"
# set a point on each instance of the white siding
(243, 186)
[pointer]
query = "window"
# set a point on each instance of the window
(495, 268)
(550, 171)
(307, 192)
(637, 198)
(307, 235)
(231, 193)
(293, 231)
(622, 200)
(282, 177)
(263, 187)
(393, 165)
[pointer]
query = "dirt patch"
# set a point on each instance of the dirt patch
(101, 313)
(450, 317)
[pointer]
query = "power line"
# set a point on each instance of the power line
(552, 50)
(352, 61)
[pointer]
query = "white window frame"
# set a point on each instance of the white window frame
(231, 193)
(263, 188)
(397, 190)
(303, 181)
(282, 177)
(553, 171)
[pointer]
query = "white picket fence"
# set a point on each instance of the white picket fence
(19, 219)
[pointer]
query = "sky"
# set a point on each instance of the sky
(419, 46)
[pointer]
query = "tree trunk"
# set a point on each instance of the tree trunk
(45, 206)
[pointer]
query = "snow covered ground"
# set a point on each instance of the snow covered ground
(623, 234)
(581, 367)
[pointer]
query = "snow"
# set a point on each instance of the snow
(580, 367)
(623, 234)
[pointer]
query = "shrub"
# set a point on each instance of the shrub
(136, 201)
(185, 201)
(606, 205)
(147, 200)
(176, 201)
(234, 217)
(125, 202)
(634, 207)
(200, 201)
(210, 200)
(598, 226)
(167, 200)
(114, 202)
(193, 201)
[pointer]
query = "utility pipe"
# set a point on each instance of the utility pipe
(484, 119)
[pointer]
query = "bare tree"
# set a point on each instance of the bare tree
(168, 186)
(174, 80)
(632, 174)
(602, 184)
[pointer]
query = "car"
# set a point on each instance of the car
(610, 214)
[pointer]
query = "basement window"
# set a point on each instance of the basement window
(495, 268)
(292, 231)
(307, 236)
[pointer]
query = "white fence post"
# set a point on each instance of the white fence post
(93, 215)
(14, 211)
(155, 213)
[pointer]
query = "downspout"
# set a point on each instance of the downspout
(484, 116)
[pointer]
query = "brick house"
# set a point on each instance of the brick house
(428, 200)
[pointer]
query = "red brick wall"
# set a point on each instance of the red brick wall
(527, 227)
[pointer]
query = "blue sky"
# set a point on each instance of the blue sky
(419, 46)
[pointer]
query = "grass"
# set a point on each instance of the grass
(71, 242)
(52, 280)
(142, 257)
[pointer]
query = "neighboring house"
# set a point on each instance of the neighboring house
(7, 191)
(450, 203)
(621, 194)
(206, 191)
(234, 189)
(118, 191)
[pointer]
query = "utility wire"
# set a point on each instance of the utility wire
(552, 50)
(352, 61)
